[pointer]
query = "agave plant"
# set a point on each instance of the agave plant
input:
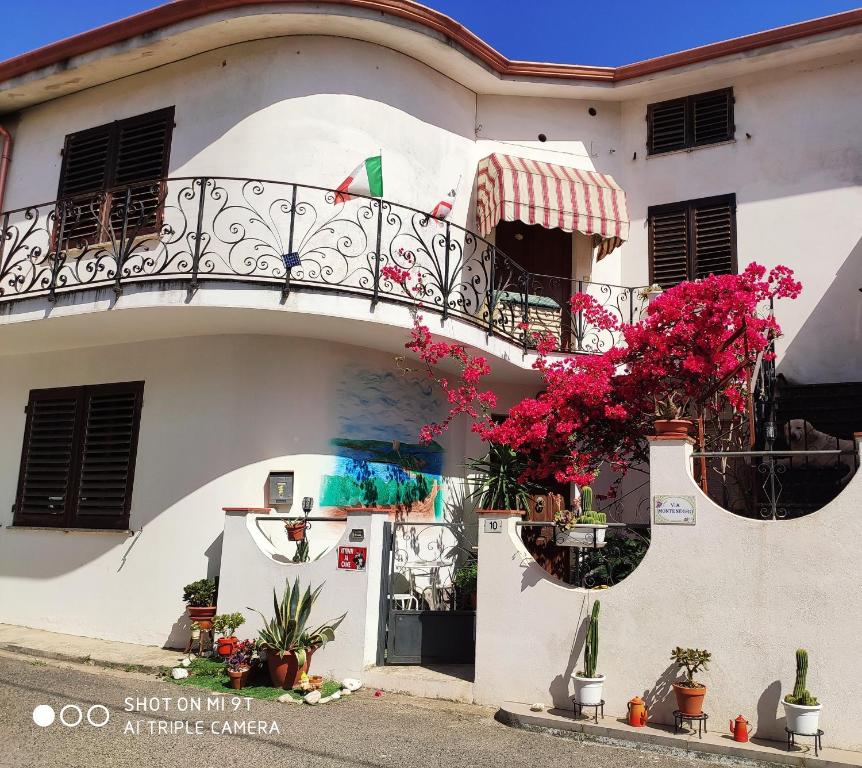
(287, 632)
(498, 485)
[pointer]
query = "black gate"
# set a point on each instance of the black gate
(427, 601)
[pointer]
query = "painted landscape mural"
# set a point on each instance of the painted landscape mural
(377, 462)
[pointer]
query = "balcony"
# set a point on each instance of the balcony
(291, 237)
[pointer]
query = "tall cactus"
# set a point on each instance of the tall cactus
(591, 649)
(586, 499)
(801, 673)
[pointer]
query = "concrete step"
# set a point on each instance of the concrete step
(450, 682)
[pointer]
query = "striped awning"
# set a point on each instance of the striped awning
(515, 188)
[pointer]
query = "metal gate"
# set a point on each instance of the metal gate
(425, 618)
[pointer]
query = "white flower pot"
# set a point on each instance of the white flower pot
(802, 720)
(588, 690)
(587, 536)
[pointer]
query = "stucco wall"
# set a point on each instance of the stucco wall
(749, 591)
(219, 414)
(797, 183)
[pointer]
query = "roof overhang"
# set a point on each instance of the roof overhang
(185, 28)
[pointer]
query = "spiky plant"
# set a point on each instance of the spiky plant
(498, 483)
(591, 648)
(588, 515)
(800, 693)
(286, 632)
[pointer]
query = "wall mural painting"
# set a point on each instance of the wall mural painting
(375, 462)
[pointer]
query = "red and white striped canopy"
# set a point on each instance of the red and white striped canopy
(514, 188)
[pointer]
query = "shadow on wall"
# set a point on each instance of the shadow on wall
(837, 318)
(660, 699)
(769, 724)
(559, 688)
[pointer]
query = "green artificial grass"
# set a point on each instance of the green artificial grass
(212, 675)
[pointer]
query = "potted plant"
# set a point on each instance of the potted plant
(690, 693)
(588, 683)
(801, 709)
(670, 418)
(295, 528)
(200, 599)
(225, 624)
(239, 664)
(465, 581)
(285, 638)
(582, 526)
(499, 484)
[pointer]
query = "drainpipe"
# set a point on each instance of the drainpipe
(5, 156)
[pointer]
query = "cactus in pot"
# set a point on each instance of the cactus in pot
(589, 684)
(801, 709)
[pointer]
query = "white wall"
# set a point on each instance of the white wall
(749, 591)
(797, 184)
(219, 414)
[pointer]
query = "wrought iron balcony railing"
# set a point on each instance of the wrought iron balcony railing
(297, 237)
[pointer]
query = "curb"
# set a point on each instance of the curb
(561, 723)
(155, 669)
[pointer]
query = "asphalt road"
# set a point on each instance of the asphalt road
(361, 731)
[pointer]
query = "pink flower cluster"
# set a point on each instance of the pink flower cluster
(699, 340)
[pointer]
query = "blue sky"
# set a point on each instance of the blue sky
(608, 32)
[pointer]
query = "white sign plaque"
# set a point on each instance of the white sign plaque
(493, 526)
(674, 510)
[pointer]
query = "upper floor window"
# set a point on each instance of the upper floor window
(109, 178)
(692, 239)
(78, 459)
(693, 121)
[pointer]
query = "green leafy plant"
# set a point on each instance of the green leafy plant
(499, 485)
(466, 576)
(286, 632)
(692, 660)
(227, 623)
(591, 647)
(800, 693)
(201, 593)
(622, 553)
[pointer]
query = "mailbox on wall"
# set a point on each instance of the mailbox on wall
(279, 489)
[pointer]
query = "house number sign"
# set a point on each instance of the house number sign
(674, 510)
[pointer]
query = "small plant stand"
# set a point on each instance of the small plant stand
(818, 739)
(598, 709)
(679, 718)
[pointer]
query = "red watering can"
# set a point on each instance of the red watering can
(638, 712)
(739, 729)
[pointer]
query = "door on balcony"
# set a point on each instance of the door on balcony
(547, 255)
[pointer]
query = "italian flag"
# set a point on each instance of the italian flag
(365, 179)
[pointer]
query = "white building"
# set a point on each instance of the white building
(191, 151)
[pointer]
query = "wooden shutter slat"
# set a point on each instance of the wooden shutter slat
(693, 121)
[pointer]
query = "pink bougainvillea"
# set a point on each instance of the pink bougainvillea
(698, 340)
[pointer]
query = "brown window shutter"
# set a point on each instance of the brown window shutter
(712, 117)
(48, 457)
(108, 447)
(666, 126)
(714, 236)
(83, 178)
(142, 153)
(668, 245)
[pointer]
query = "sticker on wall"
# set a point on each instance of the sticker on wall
(352, 558)
(674, 510)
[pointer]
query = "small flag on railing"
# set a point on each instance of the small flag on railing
(291, 260)
(365, 179)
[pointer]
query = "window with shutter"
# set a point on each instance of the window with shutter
(78, 459)
(693, 121)
(110, 170)
(692, 239)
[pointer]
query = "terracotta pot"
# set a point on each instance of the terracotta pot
(201, 612)
(226, 646)
(295, 531)
(285, 672)
(238, 678)
(689, 701)
(672, 427)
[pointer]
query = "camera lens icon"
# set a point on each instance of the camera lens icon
(71, 715)
(43, 715)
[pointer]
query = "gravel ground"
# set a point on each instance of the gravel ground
(358, 731)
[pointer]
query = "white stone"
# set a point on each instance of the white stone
(351, 684)
(286, 698)
(179, 673)
(536, 707)
(186, 662)
(312, 698)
